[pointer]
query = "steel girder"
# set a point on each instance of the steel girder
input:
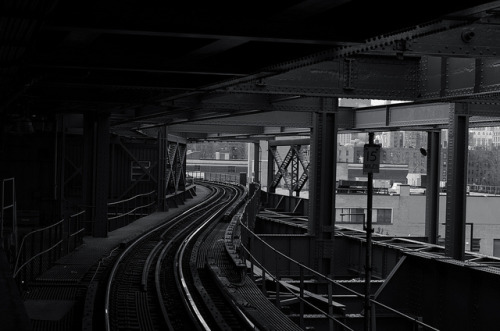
(456, 182)
(294, 157)
(413, 116)
(374, 77)
(264, 119)
(474, 40)
(443, 293)
(322, 187)
(426, 78)
(432, 190)
(249, 127)
(96, 171)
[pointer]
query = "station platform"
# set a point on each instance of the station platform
(54, 298)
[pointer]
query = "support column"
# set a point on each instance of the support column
(456, 185)
(270, 169)
(432, 189)
(96, 172)
(322, 176)
(88, 170)
(162, 163)
(60, 161)
(256, 162)
(102, 176)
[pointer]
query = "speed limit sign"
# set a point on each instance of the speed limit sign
(371, 159)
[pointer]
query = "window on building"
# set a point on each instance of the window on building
(231, 169)
(496, 247)
(383, 216)
(349, 215)
(197, 167)
(138, 169)
(356, 215)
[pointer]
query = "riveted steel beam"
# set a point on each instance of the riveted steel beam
(456, 182)
(215, 128)
(322, 180)
(358, 77)
(432, 191)
(274, 118)
(425, 78)
(96, 157)
(289, 142)
(472, 40)
(454, 77)
(245, 101)
(413, 115)
(444, 293)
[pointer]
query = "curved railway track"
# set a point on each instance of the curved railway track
(160, 280)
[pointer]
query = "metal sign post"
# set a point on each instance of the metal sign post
(371, 164)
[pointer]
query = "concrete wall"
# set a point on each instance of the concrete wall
(408, 216)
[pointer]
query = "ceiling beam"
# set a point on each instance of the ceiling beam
(220, 128)
(268, 119)
(194, 35)
(133, 70)
(400, 116)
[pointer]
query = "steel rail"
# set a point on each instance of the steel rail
(129, 249)
(159, 266)
(155, 245)
(189, 302)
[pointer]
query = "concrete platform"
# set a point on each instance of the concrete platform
(13, 315)
(39, 305)
(75, 265)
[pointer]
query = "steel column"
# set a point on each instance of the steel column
(162, 163)
(270, 169)
(102, 176)
(60, 158)
(96, 171)
(458, 134)
(322, 186)
(432, 189)
(256, 162)
(88, 169)
(294, 178)
(368, 253)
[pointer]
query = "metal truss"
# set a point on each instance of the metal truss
(293, 169)
(175, 167)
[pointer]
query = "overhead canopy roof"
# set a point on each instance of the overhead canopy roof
(242, 69)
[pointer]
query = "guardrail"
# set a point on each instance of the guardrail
(484, 188)
(123, 212)
(8, 212)
(216, 177)
(272, 254)
(275, 261)
(40, 248)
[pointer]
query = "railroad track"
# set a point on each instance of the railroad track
(160, 281)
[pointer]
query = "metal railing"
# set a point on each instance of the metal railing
(40, 248)
(490, 189)
(123, 212)
(277, 262)
(271, 254)
(216, 177)
(9, 212)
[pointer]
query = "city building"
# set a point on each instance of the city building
(481, 137)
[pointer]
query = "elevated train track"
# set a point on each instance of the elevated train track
(159, 281)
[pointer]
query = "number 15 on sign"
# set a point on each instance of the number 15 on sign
(371, 159)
